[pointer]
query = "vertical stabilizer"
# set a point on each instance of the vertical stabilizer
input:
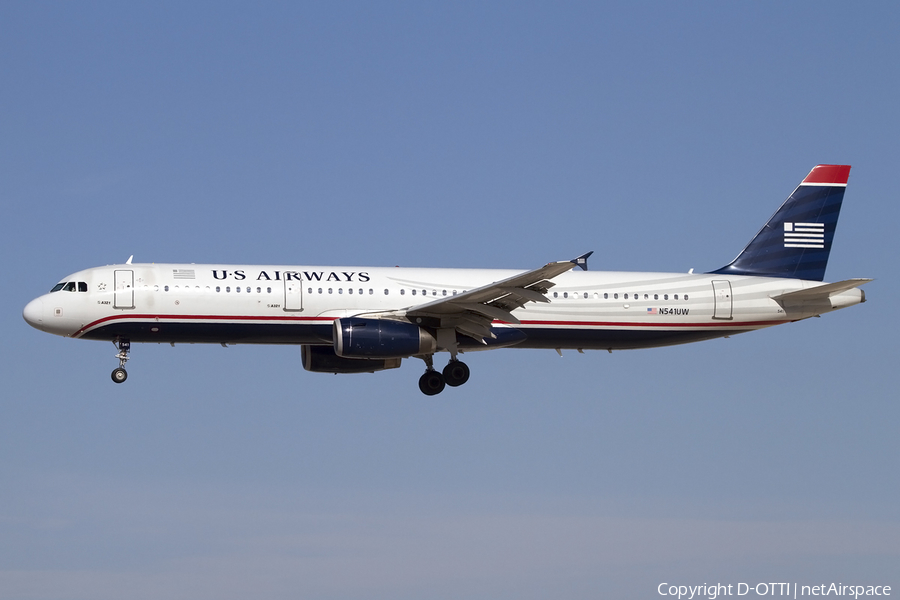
(796, 241)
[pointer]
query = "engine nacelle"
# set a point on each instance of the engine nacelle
(380, 338)
(322, 359)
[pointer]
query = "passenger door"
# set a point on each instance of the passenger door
(293, 295)
(724, 303)
(124, 296)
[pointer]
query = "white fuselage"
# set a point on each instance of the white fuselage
(260, 304)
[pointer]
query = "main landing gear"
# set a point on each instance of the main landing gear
(120, 375)
(432, 382)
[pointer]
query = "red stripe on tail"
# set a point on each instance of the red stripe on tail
(828, 174)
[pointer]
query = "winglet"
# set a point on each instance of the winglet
(130, 258)
(581, 261)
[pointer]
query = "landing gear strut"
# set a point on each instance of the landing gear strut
(432, 382)
(119, 375)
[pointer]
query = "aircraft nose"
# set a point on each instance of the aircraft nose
(34, 313)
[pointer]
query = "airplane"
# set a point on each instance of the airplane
(368, 319)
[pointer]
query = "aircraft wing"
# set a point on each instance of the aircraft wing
(472, 312)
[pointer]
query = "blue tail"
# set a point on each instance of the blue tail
(796, 241)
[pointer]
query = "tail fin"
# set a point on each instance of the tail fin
(796, 241)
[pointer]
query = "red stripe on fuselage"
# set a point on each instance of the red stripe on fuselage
(730, 324)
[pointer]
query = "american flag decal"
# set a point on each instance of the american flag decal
(652, 311)
(183, 273)
(804, 235)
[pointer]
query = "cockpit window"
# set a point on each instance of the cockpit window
(70, 286)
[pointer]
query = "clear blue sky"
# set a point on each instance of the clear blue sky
(659, 135)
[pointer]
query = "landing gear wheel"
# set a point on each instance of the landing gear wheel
(119, 375)
(431, 383)
(456, 373)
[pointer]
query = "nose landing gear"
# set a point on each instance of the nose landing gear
(119, 375)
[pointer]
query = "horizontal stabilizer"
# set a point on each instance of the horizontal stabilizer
(821, 292)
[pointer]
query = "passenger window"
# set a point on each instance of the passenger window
(565, 294)
(320, 290)
(82, 286)
(237, 289)
(454, 292)
(402, 292)
(676, 296)
(340, 290)
(349, 290)
(386, 291)
(685, 296)
(227, 289)
(585, 295)
(555, 295)
(646, 296)
(414, 292)
(605, 296)
(665, 296)
(656, 296)
(330, 290)
(218, 289)
(444, 293)
(166, 288)
(626, 296)
(616, 296)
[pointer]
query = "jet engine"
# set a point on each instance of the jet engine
(355, 337)
(322, 359)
